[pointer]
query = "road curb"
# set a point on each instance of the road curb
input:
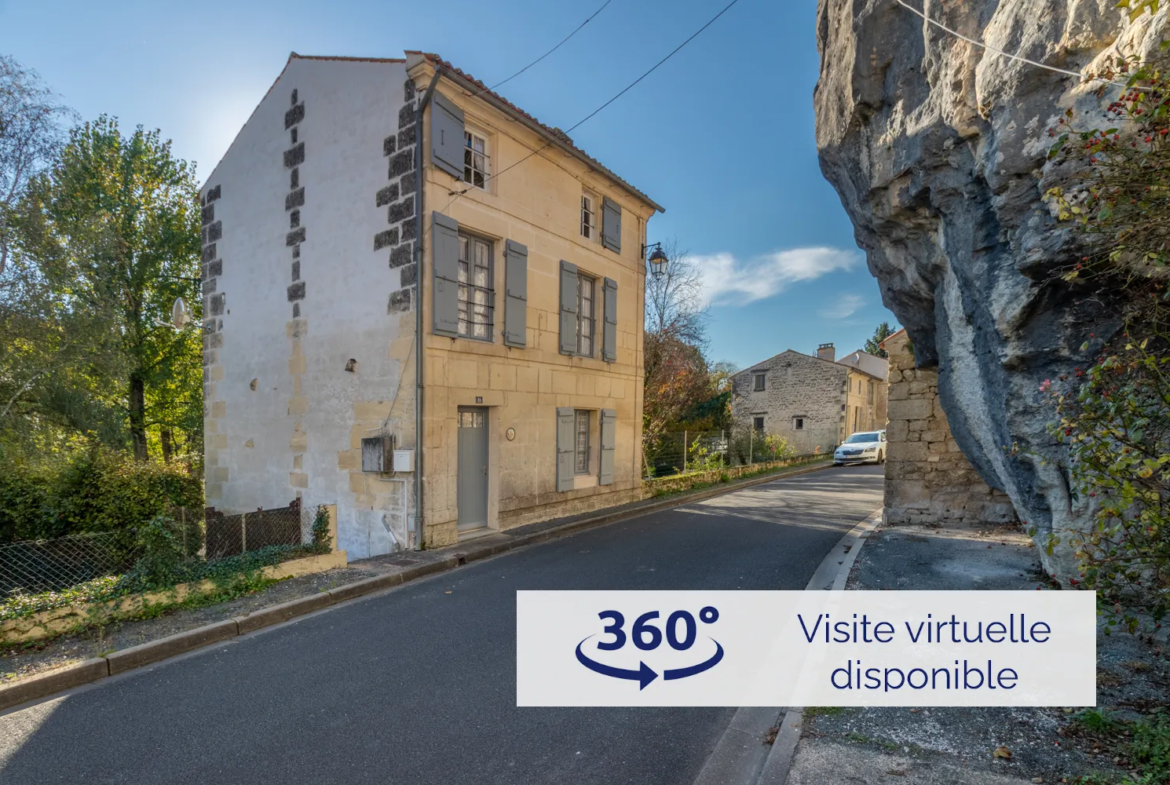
(36, 688)
(831, 575)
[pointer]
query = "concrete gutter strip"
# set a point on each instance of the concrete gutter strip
(66, 678)
(831, 575)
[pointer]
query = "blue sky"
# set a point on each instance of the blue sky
(722, 135)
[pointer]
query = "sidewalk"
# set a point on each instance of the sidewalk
(992, 746)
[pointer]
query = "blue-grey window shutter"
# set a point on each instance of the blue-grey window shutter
(568, 307)
(445, 266)
(609, 328)
(447, 136)
(611, 225)
(608, 443)
(565, 442)
(515, 294)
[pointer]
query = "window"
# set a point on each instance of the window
(870, 391)
(589, 216)
(581, 442)
(798, 423)
(758, 424)
(475, 159)
(586, 289)
(476, 296)
(759, 382)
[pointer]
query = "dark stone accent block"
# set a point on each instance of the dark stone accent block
(408, 91)
(296, 252)
(294, 180)
(294, 156)
(208, 252)
(406, 136)
(389, 145)
(406, 116)
(294, 116)
(401, 163)
(409, 230)
(215, 232)
(401, 211)
(296, 310)
(296, 271)
(403, 254)
(215, 341)
(294, 237)
(409, 275)
(215, 269)
(387, 195)
(294, 219)
(296, 291)
(386, 238)
(409, 183)
(208, 214)
(399, 301)
(295, 199)
(294, 97)
(209, 286)
(213, 194)
(292, 137)
(216, 304)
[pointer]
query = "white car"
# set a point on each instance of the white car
(865, 447)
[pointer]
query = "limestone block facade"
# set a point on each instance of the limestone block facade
(813, 402)
(928, 479)
(324, 236)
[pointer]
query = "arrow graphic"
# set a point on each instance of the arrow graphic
(644, 675)
(682, 673)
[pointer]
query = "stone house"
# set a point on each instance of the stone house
(389, 244)
(814, 402)
(928, 479)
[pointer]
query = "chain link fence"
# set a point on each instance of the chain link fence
(677, 452)
(35, 566)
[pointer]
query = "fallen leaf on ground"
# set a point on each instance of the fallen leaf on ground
(1002, 752)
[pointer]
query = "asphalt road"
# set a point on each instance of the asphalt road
(417, 685)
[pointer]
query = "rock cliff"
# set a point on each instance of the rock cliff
(938, 149)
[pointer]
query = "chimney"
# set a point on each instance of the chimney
(826, 352)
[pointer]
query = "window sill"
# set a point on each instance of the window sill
(582, 481)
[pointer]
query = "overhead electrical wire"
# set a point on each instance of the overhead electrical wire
(546, 54)
(456, 194)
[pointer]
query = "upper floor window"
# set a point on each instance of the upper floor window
(589, 216)
(475, 159)
(477, 298)
(759, 382)
(586, 289)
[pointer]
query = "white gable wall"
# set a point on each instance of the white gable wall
(298, 432)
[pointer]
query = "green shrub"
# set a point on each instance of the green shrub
(163, 553)
(90, 492)
(322, 539)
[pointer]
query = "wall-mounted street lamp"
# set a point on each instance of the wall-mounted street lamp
(657, 260)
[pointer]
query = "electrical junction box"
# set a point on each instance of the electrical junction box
(404, 460)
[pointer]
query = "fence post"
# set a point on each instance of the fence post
(751, 445)
(726, 446)
(244, 533)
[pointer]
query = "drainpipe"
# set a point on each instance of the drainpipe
(419, 256)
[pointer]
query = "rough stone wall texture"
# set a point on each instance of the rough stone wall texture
(928, 479)
(795, 385)
(938, 149)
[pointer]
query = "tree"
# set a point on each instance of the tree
(674, 298)
(112, 229)
(873, 345)
(30, 136)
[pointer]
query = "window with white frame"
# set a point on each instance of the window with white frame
(477, 297)
(589, 216)
(581, 441)
(475, 159)
(759, 382)
(586, 296)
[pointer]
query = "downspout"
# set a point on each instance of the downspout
(419, 256)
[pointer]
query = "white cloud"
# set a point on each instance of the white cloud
(846, 306)
(729, 281)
